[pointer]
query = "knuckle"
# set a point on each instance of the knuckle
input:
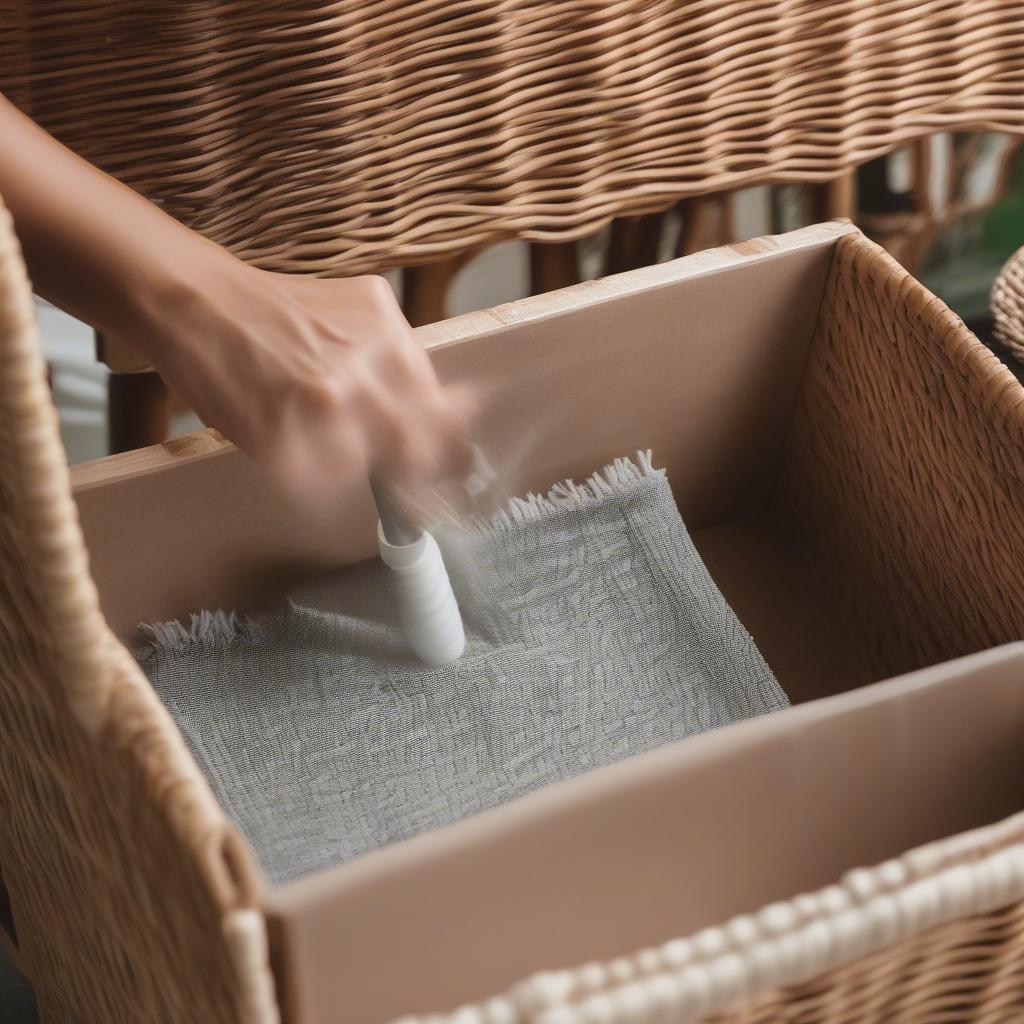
(329, 393)
(397, 362)
(377, 286)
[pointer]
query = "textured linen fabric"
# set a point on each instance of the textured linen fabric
(594, 633)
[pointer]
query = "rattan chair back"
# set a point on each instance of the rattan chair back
(340, 137)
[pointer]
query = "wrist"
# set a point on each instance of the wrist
(167, 299)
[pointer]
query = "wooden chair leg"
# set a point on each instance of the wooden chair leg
(703, 221)
(648, 238)
(835, 198)
(137, 411)
(553, 265)
(634, 242)
(622, 245)
(425, 289)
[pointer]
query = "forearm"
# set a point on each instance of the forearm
(92, 245)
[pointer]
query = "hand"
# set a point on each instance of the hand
(321, 380)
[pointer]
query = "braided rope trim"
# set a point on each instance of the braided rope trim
(785, 943)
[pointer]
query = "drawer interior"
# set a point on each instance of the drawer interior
(700, 361)
(744, 371)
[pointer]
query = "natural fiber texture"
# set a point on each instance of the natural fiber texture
(347, 136)
(969, 970)
(905, 469)
(932, 936)
(118, 863)
(594, 633)
(1008, 305)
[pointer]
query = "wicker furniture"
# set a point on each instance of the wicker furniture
(346, 138)
(417, 133)
(131, 896)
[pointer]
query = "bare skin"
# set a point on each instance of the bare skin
(320, 380)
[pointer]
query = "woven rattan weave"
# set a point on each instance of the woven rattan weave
(907, 430)
(121, 869)
(341, 137)
(1008, 305)
(133, 898)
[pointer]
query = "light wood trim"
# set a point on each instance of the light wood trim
(590, 293)
(201, 444)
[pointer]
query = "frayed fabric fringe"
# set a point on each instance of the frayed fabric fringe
(215, 632)
(207, 633)
(569, 496)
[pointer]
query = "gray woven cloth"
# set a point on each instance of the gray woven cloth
(594, 633)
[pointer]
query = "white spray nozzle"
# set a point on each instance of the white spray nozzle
(426, 603)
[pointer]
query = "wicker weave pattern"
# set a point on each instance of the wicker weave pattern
(119, 864)
(902, 483)
(905, 472)
(970, 970)
(1008, 305)
(337, 137)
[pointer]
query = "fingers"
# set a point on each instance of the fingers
(328, 384)
(417, 437)
(409, 433)
(418, 432)
(453, 448)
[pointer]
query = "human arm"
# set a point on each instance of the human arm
(322, 380)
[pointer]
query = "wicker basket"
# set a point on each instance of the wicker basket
(128, 891)
(856, 444)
